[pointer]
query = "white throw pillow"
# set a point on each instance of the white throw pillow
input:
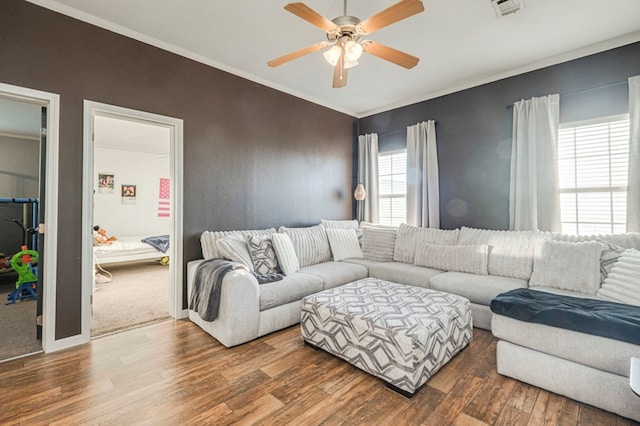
(378, 243)
(623, 282)
(472, 259)
(234, 248)
(567, 266)
(311, 244)
(285, 253)
(344, 244)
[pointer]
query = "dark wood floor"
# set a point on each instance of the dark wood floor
(172, 373)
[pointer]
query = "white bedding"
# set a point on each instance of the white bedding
(126, 249)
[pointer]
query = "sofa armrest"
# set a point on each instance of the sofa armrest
(239, 314)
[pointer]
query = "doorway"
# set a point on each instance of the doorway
(28, 201)
(132, 211)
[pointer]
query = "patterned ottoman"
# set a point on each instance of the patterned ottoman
(399, 333)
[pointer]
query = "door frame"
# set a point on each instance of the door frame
(175, 125)
(50, 227)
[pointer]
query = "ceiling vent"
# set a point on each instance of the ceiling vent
(507, 7)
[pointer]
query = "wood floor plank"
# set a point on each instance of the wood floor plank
(173, 373)
(466, 420)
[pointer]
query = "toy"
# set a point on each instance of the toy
(23, 263)
(101, 237)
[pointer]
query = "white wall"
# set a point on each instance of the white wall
(134, 168)
(19, 167)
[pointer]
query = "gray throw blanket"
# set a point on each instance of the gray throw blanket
(207, 285)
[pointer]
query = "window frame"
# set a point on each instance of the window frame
(611, 190)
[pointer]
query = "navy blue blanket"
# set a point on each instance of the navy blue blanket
(600, 318)
(159, 242)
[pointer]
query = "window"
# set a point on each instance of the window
(593, 159)
(392, 187)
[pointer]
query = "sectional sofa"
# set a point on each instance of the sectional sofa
(474, 263)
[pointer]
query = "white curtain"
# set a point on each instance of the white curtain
(534, 198)
(368, 177)
(633, 191)
(423, 190)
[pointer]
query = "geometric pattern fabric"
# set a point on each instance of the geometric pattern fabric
(399, 333)
(263, 255)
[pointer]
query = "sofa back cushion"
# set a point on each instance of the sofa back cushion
(208, 240)
(472, 259)
(510, 252)
(627, 241)
(311, 244)
(567, 266)
(410, 236)
(623, 282)
(339, 224)
(378, 243)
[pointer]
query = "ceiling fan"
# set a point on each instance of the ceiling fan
(344, 38)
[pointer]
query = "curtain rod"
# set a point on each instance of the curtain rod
(391, 132)
(617, 83)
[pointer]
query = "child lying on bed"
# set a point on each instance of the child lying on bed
(101, 238)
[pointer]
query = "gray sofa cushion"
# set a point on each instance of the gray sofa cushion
(364, 262)
(595, 351)
(334, 274)
(403, 273)
(477, 288)
(291, 288)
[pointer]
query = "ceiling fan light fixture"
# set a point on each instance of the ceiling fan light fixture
(332, 55)
(350, 64)
(352, 50)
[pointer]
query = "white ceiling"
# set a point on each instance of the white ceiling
(461, 43)
(131, 135)
(19, 118)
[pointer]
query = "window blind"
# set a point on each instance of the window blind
(593, 160)
(392, 188)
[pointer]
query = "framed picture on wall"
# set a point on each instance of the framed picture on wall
(128, 193)
(106, 183)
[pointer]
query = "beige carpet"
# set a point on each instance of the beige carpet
(138, 294)
(17, 323)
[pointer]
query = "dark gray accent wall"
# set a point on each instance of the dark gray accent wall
(253, 157)
(474, 128)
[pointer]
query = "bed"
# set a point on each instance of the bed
(132, 248)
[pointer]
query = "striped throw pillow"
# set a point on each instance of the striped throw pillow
(344, 244)
(623, 282)
(285, 253)
(234, 248)
(378, 243)
(311, 244)
(472, 259)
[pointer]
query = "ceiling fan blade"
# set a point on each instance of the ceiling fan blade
(303, 11)
(391, 15)
(340, 74)
(298, 53)
(390, 54)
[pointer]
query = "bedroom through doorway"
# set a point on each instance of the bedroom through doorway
(131, 224)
